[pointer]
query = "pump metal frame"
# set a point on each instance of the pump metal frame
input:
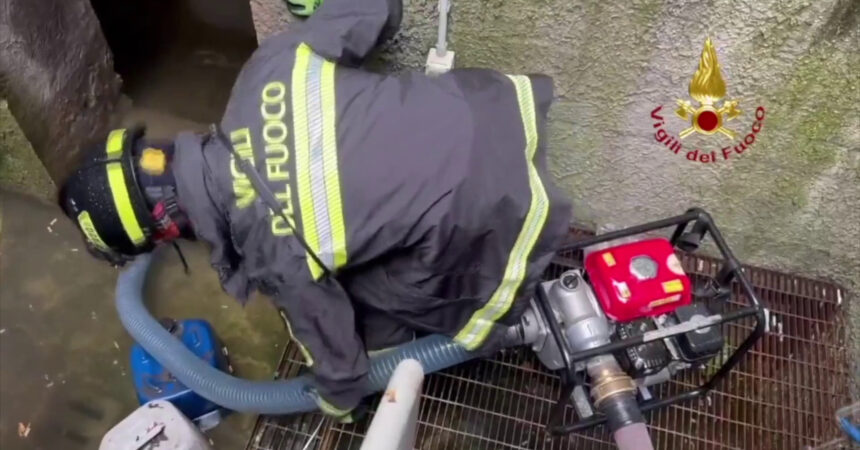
(702, 225)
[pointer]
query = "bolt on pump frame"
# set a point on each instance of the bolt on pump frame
(731, 271)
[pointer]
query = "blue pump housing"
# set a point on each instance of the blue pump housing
(153, 382)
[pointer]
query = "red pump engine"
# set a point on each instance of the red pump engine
(628, 320)
(638, 279)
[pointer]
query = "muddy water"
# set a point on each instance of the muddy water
(63, 353)
(64, 367)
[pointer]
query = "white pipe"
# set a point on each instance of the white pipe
(441, 40)
(395, 421)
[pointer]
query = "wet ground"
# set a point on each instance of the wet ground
(64, 370)
(63, 352)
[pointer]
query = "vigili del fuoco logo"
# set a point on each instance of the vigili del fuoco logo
(709, 117)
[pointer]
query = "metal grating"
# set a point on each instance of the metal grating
(782, 396)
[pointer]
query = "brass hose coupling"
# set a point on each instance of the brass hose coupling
(610, 382)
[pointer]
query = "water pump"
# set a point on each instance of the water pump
(628, 319)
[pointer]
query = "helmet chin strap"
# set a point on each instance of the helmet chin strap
(181, 256)
(170, 222)
(167, 228)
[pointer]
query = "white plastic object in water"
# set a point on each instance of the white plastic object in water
(440, 59)
(394, 424)
(155, 425)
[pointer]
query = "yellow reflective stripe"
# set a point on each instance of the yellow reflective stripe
(114, 143)
(315, 131)
(481, 322)
(302, 140)
(119, 190)
(309, 360)
(89, 229)
(332, 179)
(330, 409)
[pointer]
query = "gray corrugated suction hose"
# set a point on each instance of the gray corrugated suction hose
(435, 353)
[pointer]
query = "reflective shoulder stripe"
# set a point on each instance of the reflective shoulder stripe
(300, 133)
(119, 190)
(314, 123)
(481, 322)
(89, 229)
(331, 174)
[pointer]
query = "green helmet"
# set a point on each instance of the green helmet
(303, 8)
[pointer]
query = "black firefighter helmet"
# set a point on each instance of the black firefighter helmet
(104, 199)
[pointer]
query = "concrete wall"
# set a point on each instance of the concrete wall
(57, 74)
(20, 168)
(791, 201)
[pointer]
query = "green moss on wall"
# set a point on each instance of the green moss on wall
(20, 168)
(810, 111)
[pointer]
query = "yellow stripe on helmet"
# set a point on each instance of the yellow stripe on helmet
(89, 229)
(119, 189)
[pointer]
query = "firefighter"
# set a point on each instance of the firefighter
(368, 207)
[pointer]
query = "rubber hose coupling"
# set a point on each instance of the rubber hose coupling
(621, 410)
(614, 393)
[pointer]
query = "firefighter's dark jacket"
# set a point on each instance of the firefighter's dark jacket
(428, 199)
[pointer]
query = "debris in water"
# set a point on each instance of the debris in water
(3, 330)
(30, 306)
(49, 385)
(116, 345)
(115, 362)
(53, 221)
(93, 315)
(839, 296)
(74, 249)
(23, 430)
(50, 230)
(223, 306)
